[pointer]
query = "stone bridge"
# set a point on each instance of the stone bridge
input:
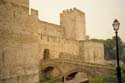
(73, 69)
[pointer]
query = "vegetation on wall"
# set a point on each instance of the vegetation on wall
(110, 48)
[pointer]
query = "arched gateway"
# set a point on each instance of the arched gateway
(50, 72)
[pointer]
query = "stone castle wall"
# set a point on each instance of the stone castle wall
(92, 52)
(18, 46)
(45, 28)
(58, 45)
(23, 39)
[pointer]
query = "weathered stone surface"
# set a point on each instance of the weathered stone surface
(24, 38)
(92, 52)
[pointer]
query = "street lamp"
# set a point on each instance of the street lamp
(63, 79)
(116, 25)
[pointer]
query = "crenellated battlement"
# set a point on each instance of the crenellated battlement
(71, 11)
(68, 11)
(34, 13)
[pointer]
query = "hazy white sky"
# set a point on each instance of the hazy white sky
(100, 14)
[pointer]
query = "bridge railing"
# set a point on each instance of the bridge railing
(83, 63)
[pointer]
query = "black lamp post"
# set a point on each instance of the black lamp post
(63, 79)
(116, 25)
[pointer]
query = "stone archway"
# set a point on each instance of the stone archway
(51, 72)
(47, 73)
(71, 76)
(76, 75)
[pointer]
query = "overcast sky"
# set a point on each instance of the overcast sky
(100, 14)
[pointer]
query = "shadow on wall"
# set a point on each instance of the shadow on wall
(46, 54)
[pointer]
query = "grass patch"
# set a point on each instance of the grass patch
(96, 80)
(112, 79)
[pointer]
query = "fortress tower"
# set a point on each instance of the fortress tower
(73, 21)
(18, 45)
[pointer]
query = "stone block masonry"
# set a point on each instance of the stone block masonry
(24, 39)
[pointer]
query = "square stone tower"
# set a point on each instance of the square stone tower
(73, 21)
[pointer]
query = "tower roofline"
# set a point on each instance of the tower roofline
(68, 11)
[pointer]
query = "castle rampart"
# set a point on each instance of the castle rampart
(92, 52)
(50, 29)
(24, 39)
(59, 45)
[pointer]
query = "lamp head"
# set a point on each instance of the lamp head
(116, 25)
